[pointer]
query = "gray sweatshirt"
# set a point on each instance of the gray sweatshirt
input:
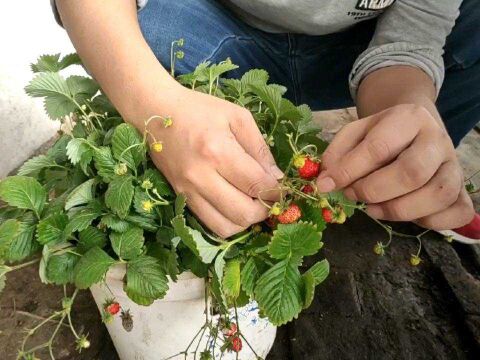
(408, 32)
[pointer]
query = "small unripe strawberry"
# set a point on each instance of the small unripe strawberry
(157, 146)
(327, 215)
(290, 214)
(308, 189)
(113, 308)
(236, 344)
(379, 249)
(309, 170)
(340, 216)
(147, 205)
(299, 161)
(415, 260)
(121, 169)
(276, 209)
(324, 203)
(232, 330)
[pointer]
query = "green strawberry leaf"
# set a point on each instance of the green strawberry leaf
(89, 238)
(104, 163)
(270, 95)
(115, 223)
(313, 214)
(8, 231)
(337, 197)
(194, 240)
(145, 280)
(295, 241)
(308, 280)
(180, 203)
(128, 146)
(36, 164)
(58, 152)
(92, 267)
(219, 265)
(81, 219)
(51, 229)
(24, 193)
(320, 271)
(24, 244)
(52, 63)
(81, 195)
(279, 292)
(146, 223)
(61, 97)
(231, 279)
(78, 149)
(60, 268)
(249, 276)
(119, 195)
(288, 111)
(255, 77)
(128, 244)
(167, 258)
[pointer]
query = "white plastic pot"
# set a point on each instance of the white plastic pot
(166, 327)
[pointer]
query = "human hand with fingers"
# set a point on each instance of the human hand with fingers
(402, 164)
(215, 154)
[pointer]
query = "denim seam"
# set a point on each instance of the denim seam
(223, 41)
(292, 66)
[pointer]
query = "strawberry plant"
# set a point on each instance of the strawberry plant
(95, 199)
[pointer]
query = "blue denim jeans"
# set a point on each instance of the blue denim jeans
(315, 69)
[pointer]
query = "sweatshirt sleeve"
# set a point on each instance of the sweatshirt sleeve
(140, 5)
(410, 32)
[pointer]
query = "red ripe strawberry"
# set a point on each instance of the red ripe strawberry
(113, 308)
(232, 330)
(236, 344)
(290, 214)
(271, 222)
(308, 189)
(309, 170)
(327, 215)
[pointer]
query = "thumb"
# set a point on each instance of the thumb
(250, 138)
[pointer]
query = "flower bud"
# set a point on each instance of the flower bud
(147, 184)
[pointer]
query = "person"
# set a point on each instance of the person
(412, 68)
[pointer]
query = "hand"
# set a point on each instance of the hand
(215, 154)
(402, 163)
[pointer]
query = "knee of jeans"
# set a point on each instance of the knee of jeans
(201, 23)
(462, 49)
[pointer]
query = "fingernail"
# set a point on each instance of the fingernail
(375, 211)
(325, 184)
(276, 172)
(350, 194)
